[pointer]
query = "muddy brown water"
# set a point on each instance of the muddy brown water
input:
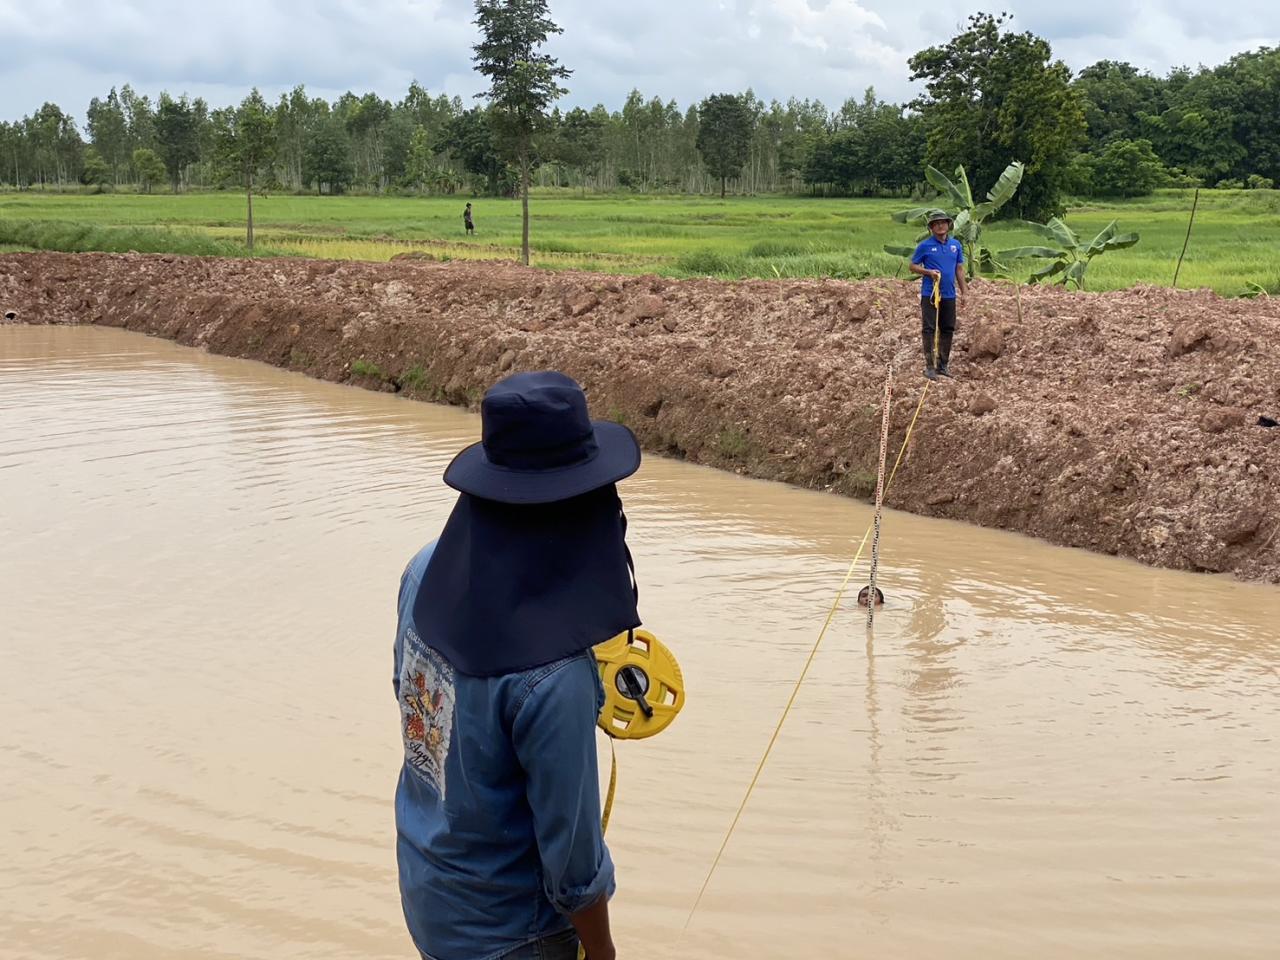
(1041, 752)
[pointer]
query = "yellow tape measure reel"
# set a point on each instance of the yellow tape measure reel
(643, 686)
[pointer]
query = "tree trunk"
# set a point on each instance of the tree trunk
(722, 185)
(249, 236)
(524, 205)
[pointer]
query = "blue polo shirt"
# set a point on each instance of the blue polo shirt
(944, 255)
(498, 804)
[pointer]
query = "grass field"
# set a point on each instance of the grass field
(1234, 242)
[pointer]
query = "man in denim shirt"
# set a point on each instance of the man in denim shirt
(500, 848)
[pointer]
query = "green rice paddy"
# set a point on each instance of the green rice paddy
(1233, 247)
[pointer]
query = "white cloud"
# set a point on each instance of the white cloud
(69, 51)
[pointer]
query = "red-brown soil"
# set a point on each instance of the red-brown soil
(1125, 423)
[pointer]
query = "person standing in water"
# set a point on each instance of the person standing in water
(500, 848)
(467, 222)
(939, 258)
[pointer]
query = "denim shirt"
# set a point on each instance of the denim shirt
(498, 803)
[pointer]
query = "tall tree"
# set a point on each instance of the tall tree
(177, 128)
(247, 144)
(724, 136)
(109, 132)
(469, 136)
(523, 81)
(326, 162)
(581, 143)
(56, 144)
(1114, 95)
(993, 96)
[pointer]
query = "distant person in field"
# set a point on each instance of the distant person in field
(939, 258)
(467, 221)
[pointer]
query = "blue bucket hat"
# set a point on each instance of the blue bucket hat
(539, 445)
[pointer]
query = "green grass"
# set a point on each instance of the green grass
(84, 237)
(1233, 243)
(364, 368)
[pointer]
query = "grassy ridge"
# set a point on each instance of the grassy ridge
(1233, 243)
(85, 238)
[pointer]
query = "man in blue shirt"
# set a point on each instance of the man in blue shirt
(499, 843)
(939, 258)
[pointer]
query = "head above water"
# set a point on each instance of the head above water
(539, 445)
(866, 592)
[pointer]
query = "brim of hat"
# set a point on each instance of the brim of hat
(617, 457)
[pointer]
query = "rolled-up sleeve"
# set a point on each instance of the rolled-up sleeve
(554, 738)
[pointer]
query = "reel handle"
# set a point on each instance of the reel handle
(633, 687)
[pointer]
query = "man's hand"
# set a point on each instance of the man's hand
(592, 924)
(936, 274)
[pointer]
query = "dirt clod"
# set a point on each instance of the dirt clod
(982, 403)
(987, 342)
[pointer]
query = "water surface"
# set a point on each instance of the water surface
(1041, 753)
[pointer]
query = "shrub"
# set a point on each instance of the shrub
(1128, 168)
(1180, 178)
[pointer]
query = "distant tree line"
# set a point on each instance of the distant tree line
(991, 96)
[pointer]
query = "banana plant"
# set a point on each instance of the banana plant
(1069, 258)
(969, 216)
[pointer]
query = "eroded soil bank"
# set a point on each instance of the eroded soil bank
(1126, 423)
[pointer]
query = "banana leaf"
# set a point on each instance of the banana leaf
(1056, 231)
(1105, 234)
(1121, 242)
(1044, 273)
(1075, 274)
(940, 183)
(984, 210)
(966, 192)
(1040, 229)
(899, 251)
(989, 266)
(911, 215)
(1006, 186)
(1022, 253)
(1108, 239)
(1064, 235)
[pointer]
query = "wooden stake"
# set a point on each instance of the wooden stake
(1195, 200)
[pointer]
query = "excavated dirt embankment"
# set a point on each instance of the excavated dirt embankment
(1125, 423)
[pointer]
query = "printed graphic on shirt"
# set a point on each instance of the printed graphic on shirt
(426, 710)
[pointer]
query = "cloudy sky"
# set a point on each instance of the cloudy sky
(68, 51)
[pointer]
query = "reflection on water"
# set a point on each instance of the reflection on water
(1038, 752)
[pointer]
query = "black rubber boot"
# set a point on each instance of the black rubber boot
(929, 372)
(944, 354)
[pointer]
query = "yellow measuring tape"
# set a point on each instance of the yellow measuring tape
(835, 605)
(643, 692)
(937, 324)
